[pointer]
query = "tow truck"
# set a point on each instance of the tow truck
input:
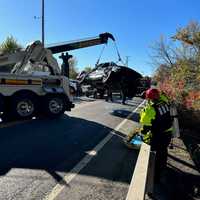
(35, 84)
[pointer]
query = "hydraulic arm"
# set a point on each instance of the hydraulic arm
(36, 53)
(72, 45)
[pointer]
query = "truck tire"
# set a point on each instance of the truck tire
(54, 106)
(23, 105)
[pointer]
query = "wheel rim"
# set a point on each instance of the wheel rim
(55, 106)
(25, 108)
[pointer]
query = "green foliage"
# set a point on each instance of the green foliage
(10, 45)
(87, 69)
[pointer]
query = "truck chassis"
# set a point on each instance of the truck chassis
(23, 96)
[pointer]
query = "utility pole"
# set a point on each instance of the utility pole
(127, 59)
(43, 22)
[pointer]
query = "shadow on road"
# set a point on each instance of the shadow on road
(180, 185)
(52, 145)
(125, 113)
(83, 99)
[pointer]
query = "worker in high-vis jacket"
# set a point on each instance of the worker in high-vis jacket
(157, 126)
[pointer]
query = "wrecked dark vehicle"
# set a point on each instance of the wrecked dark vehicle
(109, 75)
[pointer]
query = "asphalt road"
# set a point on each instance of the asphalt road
(37, 155)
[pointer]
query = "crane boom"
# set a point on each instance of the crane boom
(36, 53)
(83, 43)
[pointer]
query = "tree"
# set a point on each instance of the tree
(162, 72)
(178, 66)
(87, 69)
(162, 53)
(189, 35)
(10, 45)
(73, 71)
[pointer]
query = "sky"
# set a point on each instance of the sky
(136, 25)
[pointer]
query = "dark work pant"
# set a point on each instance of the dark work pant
(109, 95)
(160, 143)
(123, 95)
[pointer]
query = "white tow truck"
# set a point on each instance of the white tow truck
(36, 84)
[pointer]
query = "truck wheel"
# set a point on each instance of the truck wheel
(23, 105)
(54, 106)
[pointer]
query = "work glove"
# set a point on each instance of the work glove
(132, 134)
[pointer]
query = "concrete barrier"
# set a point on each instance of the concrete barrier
(143, 176)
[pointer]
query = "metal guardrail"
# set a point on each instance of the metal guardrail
(143, 177)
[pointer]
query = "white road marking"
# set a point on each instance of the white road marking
(68, 178)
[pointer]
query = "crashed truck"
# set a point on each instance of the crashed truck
(35, 84)
(115, 77)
